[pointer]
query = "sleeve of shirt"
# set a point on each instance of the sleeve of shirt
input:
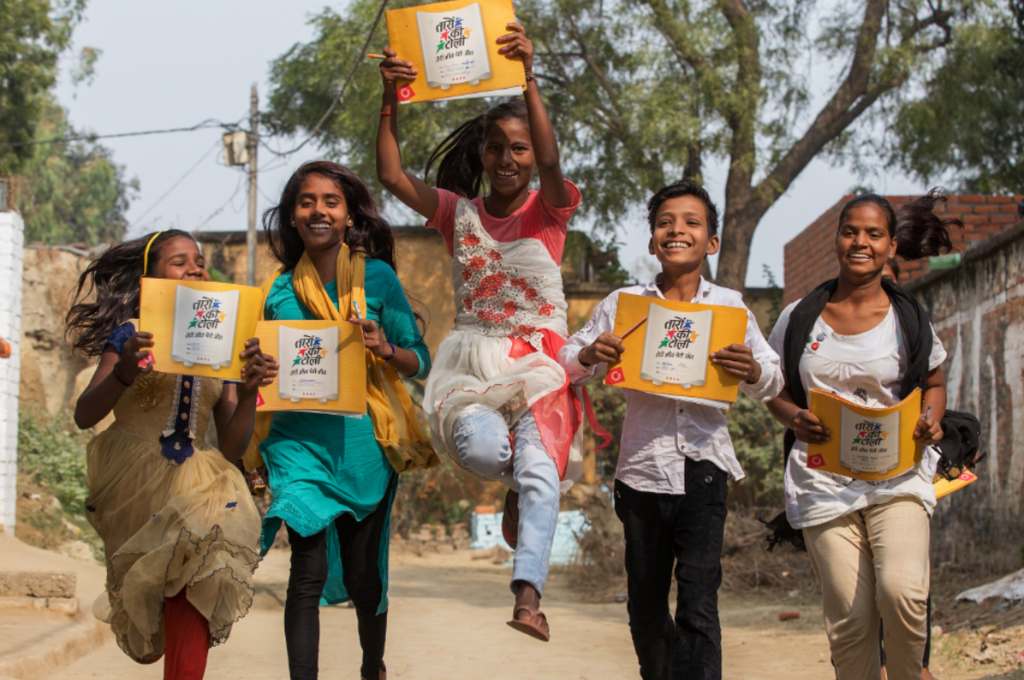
(601, 321)
(399, 323)
(777, 339)
(771, 381)
(444, 217)
(938, 355)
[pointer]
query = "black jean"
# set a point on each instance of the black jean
(684, 532)
(360, 550)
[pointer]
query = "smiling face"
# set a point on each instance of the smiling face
(508, 156)
(321, 214)
(680, 237)
(863, 243)
(179, 258)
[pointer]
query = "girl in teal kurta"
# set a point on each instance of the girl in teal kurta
(331, 483)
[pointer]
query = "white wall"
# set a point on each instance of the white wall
(11, 243)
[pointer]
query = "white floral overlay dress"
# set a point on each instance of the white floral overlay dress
(510, 323)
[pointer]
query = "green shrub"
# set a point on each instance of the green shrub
(757, 438)
(55, 458)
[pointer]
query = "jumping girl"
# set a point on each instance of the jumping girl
(863, 338)
(330, 476)
(179, 528)
(496, 378)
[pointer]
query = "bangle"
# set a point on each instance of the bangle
(529, 76)
(119, 378)
(385, 111)
(394, 351)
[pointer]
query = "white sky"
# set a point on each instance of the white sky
(173, 64)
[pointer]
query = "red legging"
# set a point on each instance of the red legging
(186, 640)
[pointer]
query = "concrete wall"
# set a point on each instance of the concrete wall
(978, 313)
(11, 239)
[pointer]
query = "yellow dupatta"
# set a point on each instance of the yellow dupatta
(398, 424)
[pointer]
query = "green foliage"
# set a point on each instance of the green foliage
(643, 93)
(54, 458)
(757, 438)
(592, 258)
(610, 408)
(73, 192)
(968, 125)
(33, 34)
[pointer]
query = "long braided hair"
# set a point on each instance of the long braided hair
(460, 167)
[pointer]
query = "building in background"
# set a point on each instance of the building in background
(12, 231)
(809, 260)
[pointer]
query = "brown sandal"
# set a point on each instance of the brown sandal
(535, 624)
(510, 519)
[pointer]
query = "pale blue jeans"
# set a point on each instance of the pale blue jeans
(482, 444)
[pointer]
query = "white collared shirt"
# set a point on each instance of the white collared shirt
(660, 433)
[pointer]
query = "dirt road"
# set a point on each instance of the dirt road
(447, 621)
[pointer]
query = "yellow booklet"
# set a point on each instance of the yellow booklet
(199, 327)
(867, 443)
(452, 46)
(944, 487)
(668, 346)
(322, 367)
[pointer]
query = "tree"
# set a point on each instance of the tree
(647, 91)
(968, 125)
(33, 34)
(71, 192)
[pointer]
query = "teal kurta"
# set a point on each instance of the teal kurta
(321, 466)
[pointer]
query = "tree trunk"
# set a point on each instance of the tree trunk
(736, 234)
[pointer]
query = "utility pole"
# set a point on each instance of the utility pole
(252, 142)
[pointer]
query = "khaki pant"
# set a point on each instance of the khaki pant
(873, 565)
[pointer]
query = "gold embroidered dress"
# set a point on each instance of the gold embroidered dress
(172, 511)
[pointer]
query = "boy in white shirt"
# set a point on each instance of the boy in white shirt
(675, 456)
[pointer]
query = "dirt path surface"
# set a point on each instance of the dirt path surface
(447, 620)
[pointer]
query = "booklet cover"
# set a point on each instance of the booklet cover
(204, 327)
(676, 346)
(322, 367)
(199, 327)
(452, 45)
(669, 352)
(308, 369)
(867, 443)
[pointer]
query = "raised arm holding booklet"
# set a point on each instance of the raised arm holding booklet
(452, 46)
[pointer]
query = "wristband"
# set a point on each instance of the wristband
(385, 111)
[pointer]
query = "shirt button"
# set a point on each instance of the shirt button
(707, 479)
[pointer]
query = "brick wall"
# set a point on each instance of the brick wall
(809, 257)
(978, 313)
(11, 236)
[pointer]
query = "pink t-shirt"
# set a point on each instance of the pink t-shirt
(534, 219)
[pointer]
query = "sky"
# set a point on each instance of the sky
(174, 64)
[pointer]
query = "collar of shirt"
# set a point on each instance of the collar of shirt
(704, 289)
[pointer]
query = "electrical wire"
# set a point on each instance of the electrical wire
(176, 183)
(204, 125)
(356, 64)
(220, 209)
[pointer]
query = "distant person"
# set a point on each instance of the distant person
(497, 399)
(862, 337)
(675, 457)
(179, 527)
(331, 477)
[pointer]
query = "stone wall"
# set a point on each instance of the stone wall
(978, 313)
(11, 236)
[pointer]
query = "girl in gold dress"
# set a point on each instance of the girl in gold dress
(177, 521)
